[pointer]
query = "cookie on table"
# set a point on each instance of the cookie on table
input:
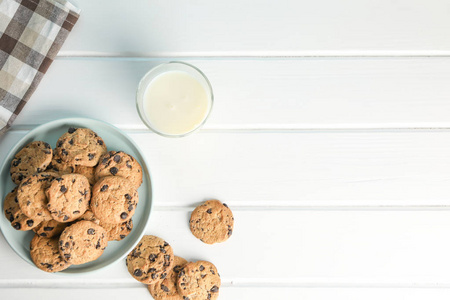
(18, 220)
(212, 222)
(88, 172)
(151, 260)
(59, 166)
(45, 254)
(82, 242)
(114, 199)
(32, 197)
(33, 158)
(198, 281)
(50, 228)
(116, 232)
(68, 197)
(118, 163)
(167, 288)
(80, 146)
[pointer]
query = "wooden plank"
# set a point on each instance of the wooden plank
(249, 27)
(300, 169)
(288, 248)
(231, 293)
(261, 94)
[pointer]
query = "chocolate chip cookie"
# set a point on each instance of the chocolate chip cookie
(45, 254)
(50, 228)
(116, 232)
(68, 197)
(31, 159)
(118, 163)
(198, 281)
(88, 172)
(82, 242)
(13, 213)
(32, 197)
(212, 222)
(59, 166)
(80, 146)
(114, 199)
(167, 289)
(151, 260)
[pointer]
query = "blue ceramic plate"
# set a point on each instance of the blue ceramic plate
(115, 139)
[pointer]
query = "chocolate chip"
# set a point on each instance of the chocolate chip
(166, 244)
(104, 161)
(48, 228)
(154, 276)
(104, 188)
(65, 218)
(122, 236)
(214, 289)
(166, 260)
(67, 245)
(127, 196)
(17, 226)
(164, 288)
(71, 130)
(209, 211)
(181, 273)
(71, 142)
(11, 218)
(58, 179)
(117, 158)
(114, 170)
(20, 177)
(91, 156)
(212, 271)
(30, 223)
(64, 152)
(76, 212)
(230, 232)
(177, 269)
(98, 244)
(123, 215)
(162, 249)
(63, 189)
(201, 268)
(137, 272)
(203, 276)
(28, 203)
(100, 142)
(17, 162)
(225, 205)
(128, 165)
(151, 270)
(209, 296)
(67, 256)
(152, 257)
(163, 275)
(91, 231)
(60, 143)
(130, 208)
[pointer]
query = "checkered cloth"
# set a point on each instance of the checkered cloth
(31, 34)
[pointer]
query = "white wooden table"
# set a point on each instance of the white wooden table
(329, 139)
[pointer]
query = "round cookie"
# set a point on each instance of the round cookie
(50, 228)
(32, 158)
(212, 222)
(80, 146)
(18, 220)
(114, 200)
(116, 232)
(167, 289)
(45, 254)
(151, 260)
(88, 172)
(118, 163)
(68, 197)
(32, 196)
(198, 281)
(59, 166)
(82, 242)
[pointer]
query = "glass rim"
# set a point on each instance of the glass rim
(139, 100)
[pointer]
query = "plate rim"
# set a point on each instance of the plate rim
(150, 193)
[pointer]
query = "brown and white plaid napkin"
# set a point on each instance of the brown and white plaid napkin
(31, 34)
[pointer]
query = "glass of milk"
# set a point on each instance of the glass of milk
(174, 99)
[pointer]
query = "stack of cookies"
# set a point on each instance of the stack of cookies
(153, 263)
(76, 198)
